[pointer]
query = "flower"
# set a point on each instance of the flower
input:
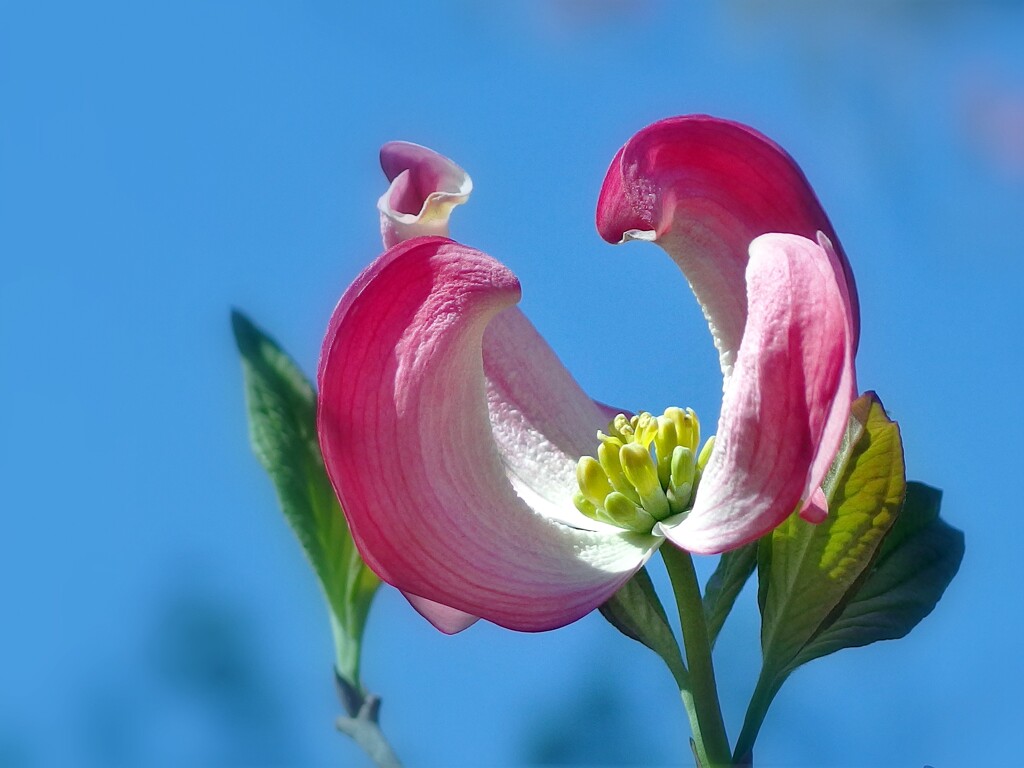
(453, 435)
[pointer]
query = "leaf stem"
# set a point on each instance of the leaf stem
(682, 678)
(365, 732)
(709, 728)
(346, 652)
(764, 692)
(362, 723)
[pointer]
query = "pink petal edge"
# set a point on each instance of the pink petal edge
(449, 620)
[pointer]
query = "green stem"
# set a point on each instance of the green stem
(365, 732)
(346, 651)
(710, 728)
(700, 753)
(682, 678)
(761, 699)
(362, 723)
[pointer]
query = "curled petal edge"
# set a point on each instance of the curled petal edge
(785, 407)
(425, 188)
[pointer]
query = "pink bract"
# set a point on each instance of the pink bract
(451, 431)
(425, 187)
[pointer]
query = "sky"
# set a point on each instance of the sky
(161, 163)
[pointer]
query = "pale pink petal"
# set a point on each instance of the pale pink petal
(789, 392)
(539, 439)
(455, 484)
(542, 422)
(703, 188)
(425, 187)
(448, 620)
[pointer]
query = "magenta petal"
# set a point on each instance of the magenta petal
(425, 187)
(703, 189)
(457, 485)
(786, 404)
(448, 620)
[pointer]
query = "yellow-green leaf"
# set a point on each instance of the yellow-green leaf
(807, 570)
(807, 573)
(918, 560)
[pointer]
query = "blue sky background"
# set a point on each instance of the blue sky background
(161, 164)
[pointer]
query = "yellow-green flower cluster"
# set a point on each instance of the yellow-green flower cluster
(646, 470)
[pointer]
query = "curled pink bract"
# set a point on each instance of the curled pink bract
(703, 188)
(425, 187)
(450, 432)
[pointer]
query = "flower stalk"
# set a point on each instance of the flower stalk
(710, 736)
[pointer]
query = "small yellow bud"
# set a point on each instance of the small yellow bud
(687, 426)
(664, 443)
(639, 469)
(621, 427)
(592, 480)
(705, 453)
(585, 506)
(626, 514)
(645, 428)
(608, 456)
(681, 481)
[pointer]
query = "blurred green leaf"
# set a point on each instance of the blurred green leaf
(724, 586)
(636, 612)
(918, 560)
(282, 427)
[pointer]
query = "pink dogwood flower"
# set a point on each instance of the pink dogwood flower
(454, 437)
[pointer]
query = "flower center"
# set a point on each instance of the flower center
(647, 469)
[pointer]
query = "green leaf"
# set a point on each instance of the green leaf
(636, 612)
(918, 560)
(282, 427)
(724, 586)
(808, 571)
(872, 571)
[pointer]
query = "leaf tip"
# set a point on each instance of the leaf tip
(244, 330)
